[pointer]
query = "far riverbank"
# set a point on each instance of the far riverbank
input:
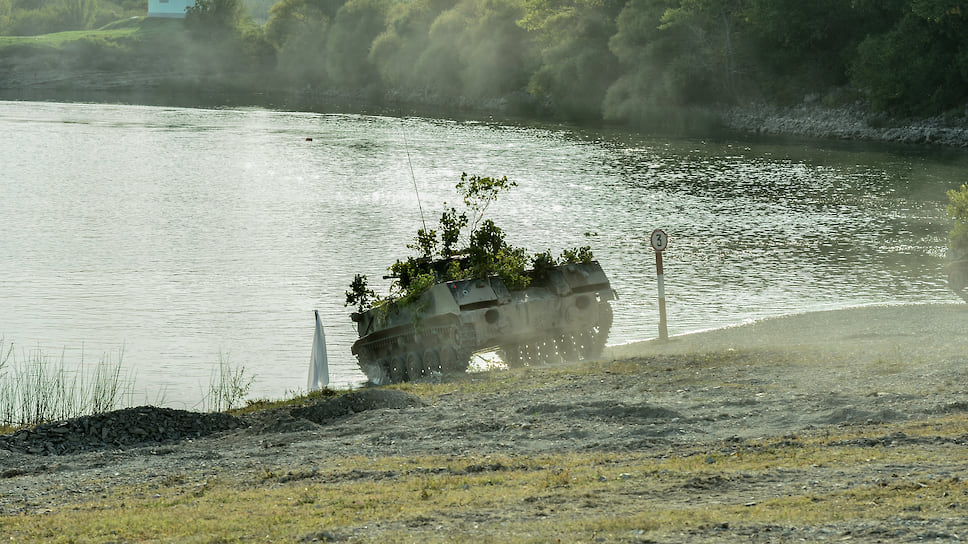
(808, 119)
(845, 123)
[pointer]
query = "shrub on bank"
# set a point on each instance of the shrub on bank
(958, 211)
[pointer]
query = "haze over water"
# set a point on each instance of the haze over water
(186, 235)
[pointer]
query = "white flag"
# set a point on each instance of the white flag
(318, 366)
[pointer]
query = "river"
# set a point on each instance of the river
(177, 238)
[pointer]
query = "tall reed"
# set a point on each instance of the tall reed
(38, 388)
(227, 387)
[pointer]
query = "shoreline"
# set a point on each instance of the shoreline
(808, 119)
(845, 123)
(820, 330)
(773, 428)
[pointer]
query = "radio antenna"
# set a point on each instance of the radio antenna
(406, 146)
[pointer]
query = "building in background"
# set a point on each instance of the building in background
(174, 9)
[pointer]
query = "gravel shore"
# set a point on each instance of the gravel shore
(811, 120)
(708, 394)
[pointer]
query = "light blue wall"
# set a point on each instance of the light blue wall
(168, 8)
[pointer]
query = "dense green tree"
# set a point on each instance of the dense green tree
(357, 24)
(631, 61)
(259, 9)
(576, 67)
(397, 51)
(438, 67)
(920, 66)
(225, 42)
(958, 212)
(293, 19)
(80, 14)
(799, 47)
(477, 50)
(299, 30)
(661, 76)
(469, 48)
(712, 30)
(215, 19)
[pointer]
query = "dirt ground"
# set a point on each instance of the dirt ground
(692, 394)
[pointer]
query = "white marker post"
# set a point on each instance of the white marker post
(659, 242)
(318, 364)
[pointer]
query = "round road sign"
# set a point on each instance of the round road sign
(659, 240)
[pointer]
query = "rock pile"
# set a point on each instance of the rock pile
(145, 425)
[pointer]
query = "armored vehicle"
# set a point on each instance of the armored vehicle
(563, 314)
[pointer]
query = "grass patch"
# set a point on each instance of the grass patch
(257, 405)
(57, 39)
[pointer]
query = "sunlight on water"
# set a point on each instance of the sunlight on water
(184, 234)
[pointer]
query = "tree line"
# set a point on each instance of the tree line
(629, 61)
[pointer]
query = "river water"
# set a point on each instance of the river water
(185, 237)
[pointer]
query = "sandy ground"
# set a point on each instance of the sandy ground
(694, 393)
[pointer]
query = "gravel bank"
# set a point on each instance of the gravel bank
(810, 120)
(717, 394)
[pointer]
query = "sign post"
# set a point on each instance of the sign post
(659, 242)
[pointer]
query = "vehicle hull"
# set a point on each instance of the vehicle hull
(564, 314)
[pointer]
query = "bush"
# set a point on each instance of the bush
(958, 211)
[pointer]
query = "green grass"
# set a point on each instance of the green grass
(256, 405)
(58, 39)
(135, 27)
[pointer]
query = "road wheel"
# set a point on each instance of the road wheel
(511, 355)
(566, 347)
(414, 366)
(592, 341)
(398, 370)
(431, 362)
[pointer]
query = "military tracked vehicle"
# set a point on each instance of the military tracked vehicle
(562, 315)
(469, 291)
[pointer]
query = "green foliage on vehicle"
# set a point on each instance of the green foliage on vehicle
(464, 245)
(359, 294)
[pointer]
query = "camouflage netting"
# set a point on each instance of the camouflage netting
(131, 427)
